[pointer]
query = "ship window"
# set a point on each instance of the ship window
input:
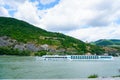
(87, 57)
(82, 57)
(73, 57)
(76, 57)
(95, 57)
(90, 57)
(105, 57)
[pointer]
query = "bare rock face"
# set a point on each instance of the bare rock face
(28, 46)
(20, 47)
(52, 50)
(31, 47)
(45, 47)
(5, 41)
(60, 50)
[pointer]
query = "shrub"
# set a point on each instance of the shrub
(40, 53)
(93, 76)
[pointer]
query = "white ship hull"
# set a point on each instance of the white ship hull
(76, 57)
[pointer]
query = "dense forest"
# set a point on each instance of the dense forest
(107, 42)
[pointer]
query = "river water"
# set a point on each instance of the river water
(15, 67)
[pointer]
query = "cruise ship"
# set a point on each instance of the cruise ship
(77, 57)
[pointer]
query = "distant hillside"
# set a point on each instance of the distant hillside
(21, 38)
(111, 46)
(107, 42)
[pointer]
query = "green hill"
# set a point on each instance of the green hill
(21, 38)
(111, 46)
(108, 42)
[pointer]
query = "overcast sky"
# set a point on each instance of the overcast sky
(87, 20)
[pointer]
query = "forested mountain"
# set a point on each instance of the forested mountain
(111, 46)
(108, 42)
(21, 38)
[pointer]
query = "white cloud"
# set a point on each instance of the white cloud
(28, 12)
(80, 13)
(44, 2)
(84, 19)
(1, 2)
(4, 12)
(13, 4)
(95, 33)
